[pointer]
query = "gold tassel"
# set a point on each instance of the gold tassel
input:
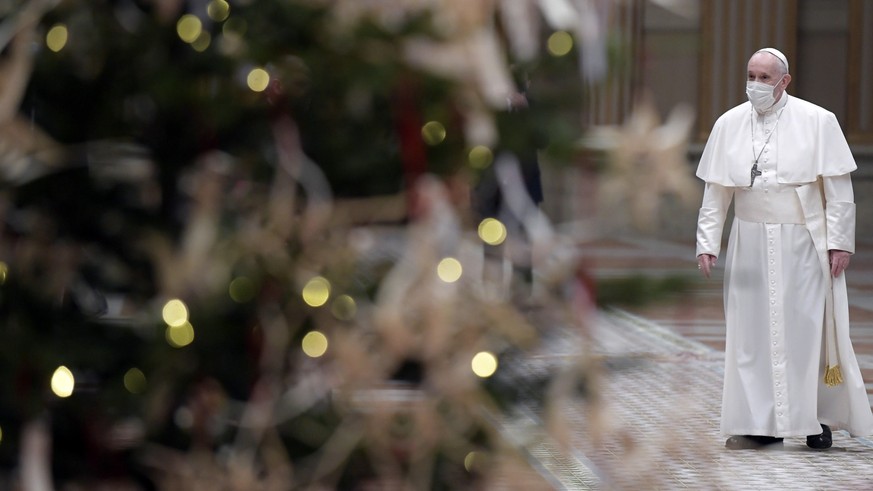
(833, 376)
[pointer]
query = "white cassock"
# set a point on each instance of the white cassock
(777, 290)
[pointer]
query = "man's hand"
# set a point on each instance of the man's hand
(705, 263)
(839, 261)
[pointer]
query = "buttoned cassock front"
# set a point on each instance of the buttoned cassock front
(775, 287)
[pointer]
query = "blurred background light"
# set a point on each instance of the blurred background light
(63, 382)
(241, 289)
(470, 461)
(56, 38)
(258, 80)
(484, 364)
(135, 381)
(449, 270)
(316, 292)
(492, 231)
(344, 308)
(189, 28)
(184, 418)
(433, 132)
(560, 43)
(480, 157)
(175, 313)
(180, 336)
(218, 10)
(314, 344)
(202, 42)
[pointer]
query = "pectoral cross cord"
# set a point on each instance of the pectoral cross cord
(755, 172)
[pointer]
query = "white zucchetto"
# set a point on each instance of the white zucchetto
(778, 54)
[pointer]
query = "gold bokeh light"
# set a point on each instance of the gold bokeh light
(492, 231)
(56, 38)
(344, 308)
(135, 381)
(189, 28)
(484, 364)
(449, 270)
(4, 271)
(560, 43)
(63, 382)
(180, 336)
(202, 42)
(175, 313)
(218, 10)
(316, 292)
(314, 344)
(258, 80)
(433, 132)
(480, 157)
(241, 289)
(470, 461)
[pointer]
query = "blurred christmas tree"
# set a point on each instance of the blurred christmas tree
(226, 260)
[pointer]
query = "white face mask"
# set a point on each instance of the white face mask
(761, 94)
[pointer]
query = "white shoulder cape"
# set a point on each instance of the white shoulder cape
(809, 141)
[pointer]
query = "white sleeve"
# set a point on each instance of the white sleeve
(710, 221)
(840, 211)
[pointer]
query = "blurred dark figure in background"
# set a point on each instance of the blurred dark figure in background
(522, 139)
(519, 136)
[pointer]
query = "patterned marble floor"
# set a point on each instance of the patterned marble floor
(656, 426)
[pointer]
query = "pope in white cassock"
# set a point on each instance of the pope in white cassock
(790, 369)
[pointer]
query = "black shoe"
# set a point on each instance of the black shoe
(747, 442)
(820, 441)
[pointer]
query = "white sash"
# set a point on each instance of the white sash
(810, 196)
(769, 207)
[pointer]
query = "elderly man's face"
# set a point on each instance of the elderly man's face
(765, 68)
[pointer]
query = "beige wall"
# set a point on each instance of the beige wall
(700, 57)
(675, 61)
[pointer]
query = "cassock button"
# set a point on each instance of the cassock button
(774, 333)
(772, 302)
(779, 413)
